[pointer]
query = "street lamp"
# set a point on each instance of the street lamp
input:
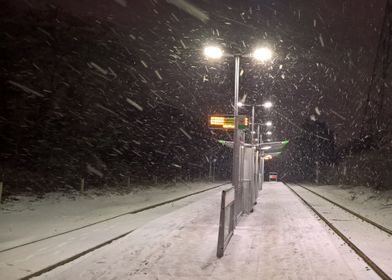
(215, 52)
(269, 133)
(262, 54)
(267, 105)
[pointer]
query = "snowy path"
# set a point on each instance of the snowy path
(376, 244)
(282, 239)
(25, 260)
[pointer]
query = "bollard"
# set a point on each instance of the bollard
(128, 182)
(82, 185)
(155, 179)
(1, 190)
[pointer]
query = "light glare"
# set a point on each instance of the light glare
(213, 52)
(269, 132)
(267, 104)
(262, 54)
(268, 123)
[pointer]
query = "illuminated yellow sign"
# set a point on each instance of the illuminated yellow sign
(267, 157)
(227, 122)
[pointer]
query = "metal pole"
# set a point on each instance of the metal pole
(213, 170)
(253, 141)
(262, 171)
(253, 125)
(261, 162)
(210, 170)
(236, 148)
(258, 134)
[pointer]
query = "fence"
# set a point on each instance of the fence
(226, 222)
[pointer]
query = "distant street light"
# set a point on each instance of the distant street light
(253, 132)
(267, 105)
(262, 54)
(269, 133)
(213, 52)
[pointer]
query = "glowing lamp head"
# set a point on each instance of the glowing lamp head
(269, 132)
(268, 123)
(262, 54)
(213, 52)
(267, 105)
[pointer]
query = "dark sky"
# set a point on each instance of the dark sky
(324, 51)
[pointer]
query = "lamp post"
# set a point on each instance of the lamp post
(263, 55)
(253, 125)
(236, 150)
(259, 135)
(266, 105)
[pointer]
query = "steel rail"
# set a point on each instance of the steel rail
(80, 254)
(111, 218)
(387, 230)
(358, 251)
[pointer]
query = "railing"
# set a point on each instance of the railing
(226, 222)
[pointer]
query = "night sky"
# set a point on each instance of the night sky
(88, 84)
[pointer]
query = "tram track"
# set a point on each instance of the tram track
(373, 223)
(102, 244)
(368, 260)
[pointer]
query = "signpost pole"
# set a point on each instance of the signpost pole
(253, 125)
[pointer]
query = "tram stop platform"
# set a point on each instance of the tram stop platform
(281, 239)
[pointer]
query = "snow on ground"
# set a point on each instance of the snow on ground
(281, 239)
(28, 218)
(373, 204)
(22, 261)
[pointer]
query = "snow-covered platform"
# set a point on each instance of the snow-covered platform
(281, 239)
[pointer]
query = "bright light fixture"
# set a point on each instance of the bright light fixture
(267, 104)
(269, 132)
(240, 104)
(266, 147)
(268, 123)
(213, 52)
(262, 54)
